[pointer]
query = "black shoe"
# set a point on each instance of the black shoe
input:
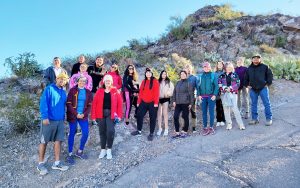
(136, 133)
(150, 137)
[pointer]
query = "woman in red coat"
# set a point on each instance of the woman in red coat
(107, 110)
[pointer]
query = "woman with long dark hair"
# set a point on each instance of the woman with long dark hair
(219, 70)
(130, 89)
(166, 89)
(147, 101)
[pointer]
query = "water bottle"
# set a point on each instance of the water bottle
(116, 118)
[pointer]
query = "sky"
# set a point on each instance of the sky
(63, 28)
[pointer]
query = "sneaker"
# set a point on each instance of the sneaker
(70, 160)
(253, 122)
(211, 131)
(194, 130)
(102, 153)
(81, 155)
(218, 124)
(183, 134)
(136, 133)
(108, 154)
(166, 132)
(42, 169)
(60, 167)
(205, 131)
(176, 135)
(78, 132)
(246, 115)
(269, 122)
(159, 132)
(242, 127)
(222, 123)
(229, 126)
(150, 137)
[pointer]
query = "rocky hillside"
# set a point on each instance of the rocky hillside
(228, 34)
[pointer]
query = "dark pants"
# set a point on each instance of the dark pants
(220, 111)
(106, 130)
(184, 108)
(142, 110)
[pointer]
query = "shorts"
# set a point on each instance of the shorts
(55, 131)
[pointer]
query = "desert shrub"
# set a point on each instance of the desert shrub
(280, 41)
(145, 58)
(268, 49)
(270, 30)
(180, 28)
(24, 65)
(23, 113)
(224, 12)
(123, 53)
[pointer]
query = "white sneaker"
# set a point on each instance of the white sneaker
(159, 132)
(242, 127)
(108, 154)
(102, 153)
(222, 123)
(166, 132)
(218, 124)
(229, 126)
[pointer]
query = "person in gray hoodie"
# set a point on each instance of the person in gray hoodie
(182, 100)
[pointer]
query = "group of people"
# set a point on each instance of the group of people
(98, 95)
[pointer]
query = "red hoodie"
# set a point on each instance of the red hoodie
(116, 104)
(149, 95)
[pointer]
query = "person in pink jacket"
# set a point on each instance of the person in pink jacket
(114, 72)
(83, 71)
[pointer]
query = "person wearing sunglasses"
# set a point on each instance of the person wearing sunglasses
(115, 74)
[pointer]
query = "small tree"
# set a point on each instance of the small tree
(23, 66)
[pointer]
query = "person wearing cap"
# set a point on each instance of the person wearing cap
(79, 103)
(219, 70)
(182, 100)
(258, 78)
(192, 82)
(51, 72)
(106, 111)
(243, 92)
(207, 90)
(52, 109)
(229, 83)
(76, 66)
(82, 72)
(97, 71)
(147, 101)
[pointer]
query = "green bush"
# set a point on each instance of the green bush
(23, 114)
(180, 28)
(224, 12)
(123, 53)
(23, 66)
(280, 41)
(270, 30)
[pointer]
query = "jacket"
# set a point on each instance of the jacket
(166, 89)
(89, 81)
(116, 104)
(117, 80)
(208, 85)
(52, 103)
(49, 75)
(72, 104)
(96, 74)
(258, 76)
(183, 93)
(240, 71)
(128, 84)
(234, 85)
(149, 95)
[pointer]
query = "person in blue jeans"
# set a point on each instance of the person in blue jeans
(79, 103)
(257, 78)
(207, 90)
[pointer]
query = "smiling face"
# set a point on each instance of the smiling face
(107, 83)
(113, 68)
(164, 75)
(148, 74)
(56, 62)
(130, 69)
(99, 62)
(83, 68)
(81, 59)
(220, 65)
(81, 82)
(256, 60)
(183, 75)
(239, 62)
(61, 82)
(206, 68)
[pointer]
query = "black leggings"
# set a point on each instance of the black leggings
(106, 130)
(142, 110)
(184, 108)
(220, 111)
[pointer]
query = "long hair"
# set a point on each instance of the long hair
(217, 69)
(151, 79)
(167, 80)
(117, 68)
(134, 75)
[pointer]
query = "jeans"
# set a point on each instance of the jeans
(210, 104)
(264, 95)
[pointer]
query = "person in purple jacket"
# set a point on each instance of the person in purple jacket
(243, 92)
(79, 103)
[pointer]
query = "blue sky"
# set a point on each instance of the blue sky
(63, 28)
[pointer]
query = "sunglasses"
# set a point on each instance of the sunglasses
(130, 68)
(114, 67)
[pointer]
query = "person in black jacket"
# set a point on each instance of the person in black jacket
(97, 71)
(75, 68)
(257, 78)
